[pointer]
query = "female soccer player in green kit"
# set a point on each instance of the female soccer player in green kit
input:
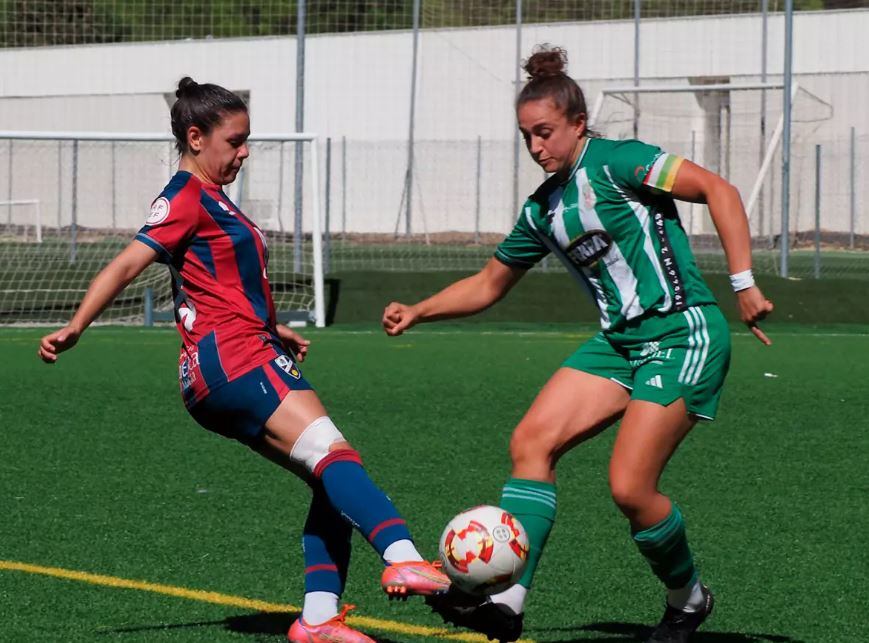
(659, 362)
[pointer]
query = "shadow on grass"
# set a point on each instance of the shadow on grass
(262, 623)
(615, 631)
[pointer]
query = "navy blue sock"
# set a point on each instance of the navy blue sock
(359, 500)
(326, 545)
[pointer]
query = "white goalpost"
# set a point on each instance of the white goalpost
(771, 146)
(723, 126)
(93, 191)
(14, 222)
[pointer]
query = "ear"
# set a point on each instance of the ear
(581, 125)
(195, 139)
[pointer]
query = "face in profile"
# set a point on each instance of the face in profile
(221, 152)
(551, 138)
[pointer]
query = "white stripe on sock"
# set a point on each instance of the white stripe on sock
(531, 493)
(517, 496)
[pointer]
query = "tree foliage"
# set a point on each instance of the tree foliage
(29, 23)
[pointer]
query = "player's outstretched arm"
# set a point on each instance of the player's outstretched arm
(103, 289)
(460, 299)
(694, 183)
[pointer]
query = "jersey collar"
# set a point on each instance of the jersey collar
(578, 161)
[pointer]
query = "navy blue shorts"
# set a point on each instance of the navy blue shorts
(239, 409)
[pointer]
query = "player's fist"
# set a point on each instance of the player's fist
(397, 318)
(753, 308)
(57, 342)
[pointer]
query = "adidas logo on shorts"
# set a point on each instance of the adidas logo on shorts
(655, 381)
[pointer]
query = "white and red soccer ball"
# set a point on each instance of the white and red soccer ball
(484, 550)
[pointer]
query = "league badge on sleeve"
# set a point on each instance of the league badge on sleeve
(159, 211)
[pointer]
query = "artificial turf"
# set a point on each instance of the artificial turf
(103, 471)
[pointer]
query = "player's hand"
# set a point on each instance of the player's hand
(294, 343)
(754, 307)
(397, 318)
(57, 342)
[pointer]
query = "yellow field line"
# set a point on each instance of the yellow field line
(232, 601)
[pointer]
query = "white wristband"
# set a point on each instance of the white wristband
(742, 280)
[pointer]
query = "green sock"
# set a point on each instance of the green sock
(665, 546)
(533, 503)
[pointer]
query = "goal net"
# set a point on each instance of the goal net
(76, 199)
(731, 129)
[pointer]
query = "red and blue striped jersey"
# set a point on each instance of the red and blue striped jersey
(218, 261)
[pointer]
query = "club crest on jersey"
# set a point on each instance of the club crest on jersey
(286, 365)
(589, 198)
(159, 211)
(588, 249)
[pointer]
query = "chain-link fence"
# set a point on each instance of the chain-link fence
(413, 104)
(40, 23)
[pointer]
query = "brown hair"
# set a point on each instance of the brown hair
(204, 106)
(546, 79)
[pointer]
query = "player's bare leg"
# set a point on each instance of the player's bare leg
(573, 406)
(647, 438)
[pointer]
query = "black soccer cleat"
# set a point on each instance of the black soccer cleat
(677, 626)
(496, 621)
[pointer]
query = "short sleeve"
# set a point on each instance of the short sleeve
(639, 166)
(522, 248)
(170, 224)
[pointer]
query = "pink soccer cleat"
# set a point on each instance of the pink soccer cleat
(400, 580)
(335, 630)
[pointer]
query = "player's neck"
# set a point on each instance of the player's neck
(567, 171)
(188, 164)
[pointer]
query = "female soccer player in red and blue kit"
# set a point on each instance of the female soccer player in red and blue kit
(237, 368)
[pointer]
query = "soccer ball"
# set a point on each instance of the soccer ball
(484, 550)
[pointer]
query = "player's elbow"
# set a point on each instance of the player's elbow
(719, 188)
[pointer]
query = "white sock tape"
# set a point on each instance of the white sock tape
(742, 280)
(313, 445)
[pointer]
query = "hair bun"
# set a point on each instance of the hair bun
(185, 86)
(546, 61)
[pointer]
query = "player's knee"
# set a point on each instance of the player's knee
(630, 494)
(316, 442)
(532, 443)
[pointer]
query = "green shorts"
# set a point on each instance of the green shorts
(663, 358)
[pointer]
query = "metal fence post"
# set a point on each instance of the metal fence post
(408, 178)
(518, 80)
(73, 226)
(114, 191)
(637, 14)
(298, 232)
(343, 186)
(477, 195)
(764, 39)
(9, 184)
(59, 184)
(817, 211)
(786, 137)
(853, 195)
(149, 307)
(281, 151)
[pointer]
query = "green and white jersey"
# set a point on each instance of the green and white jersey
(615, 227)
